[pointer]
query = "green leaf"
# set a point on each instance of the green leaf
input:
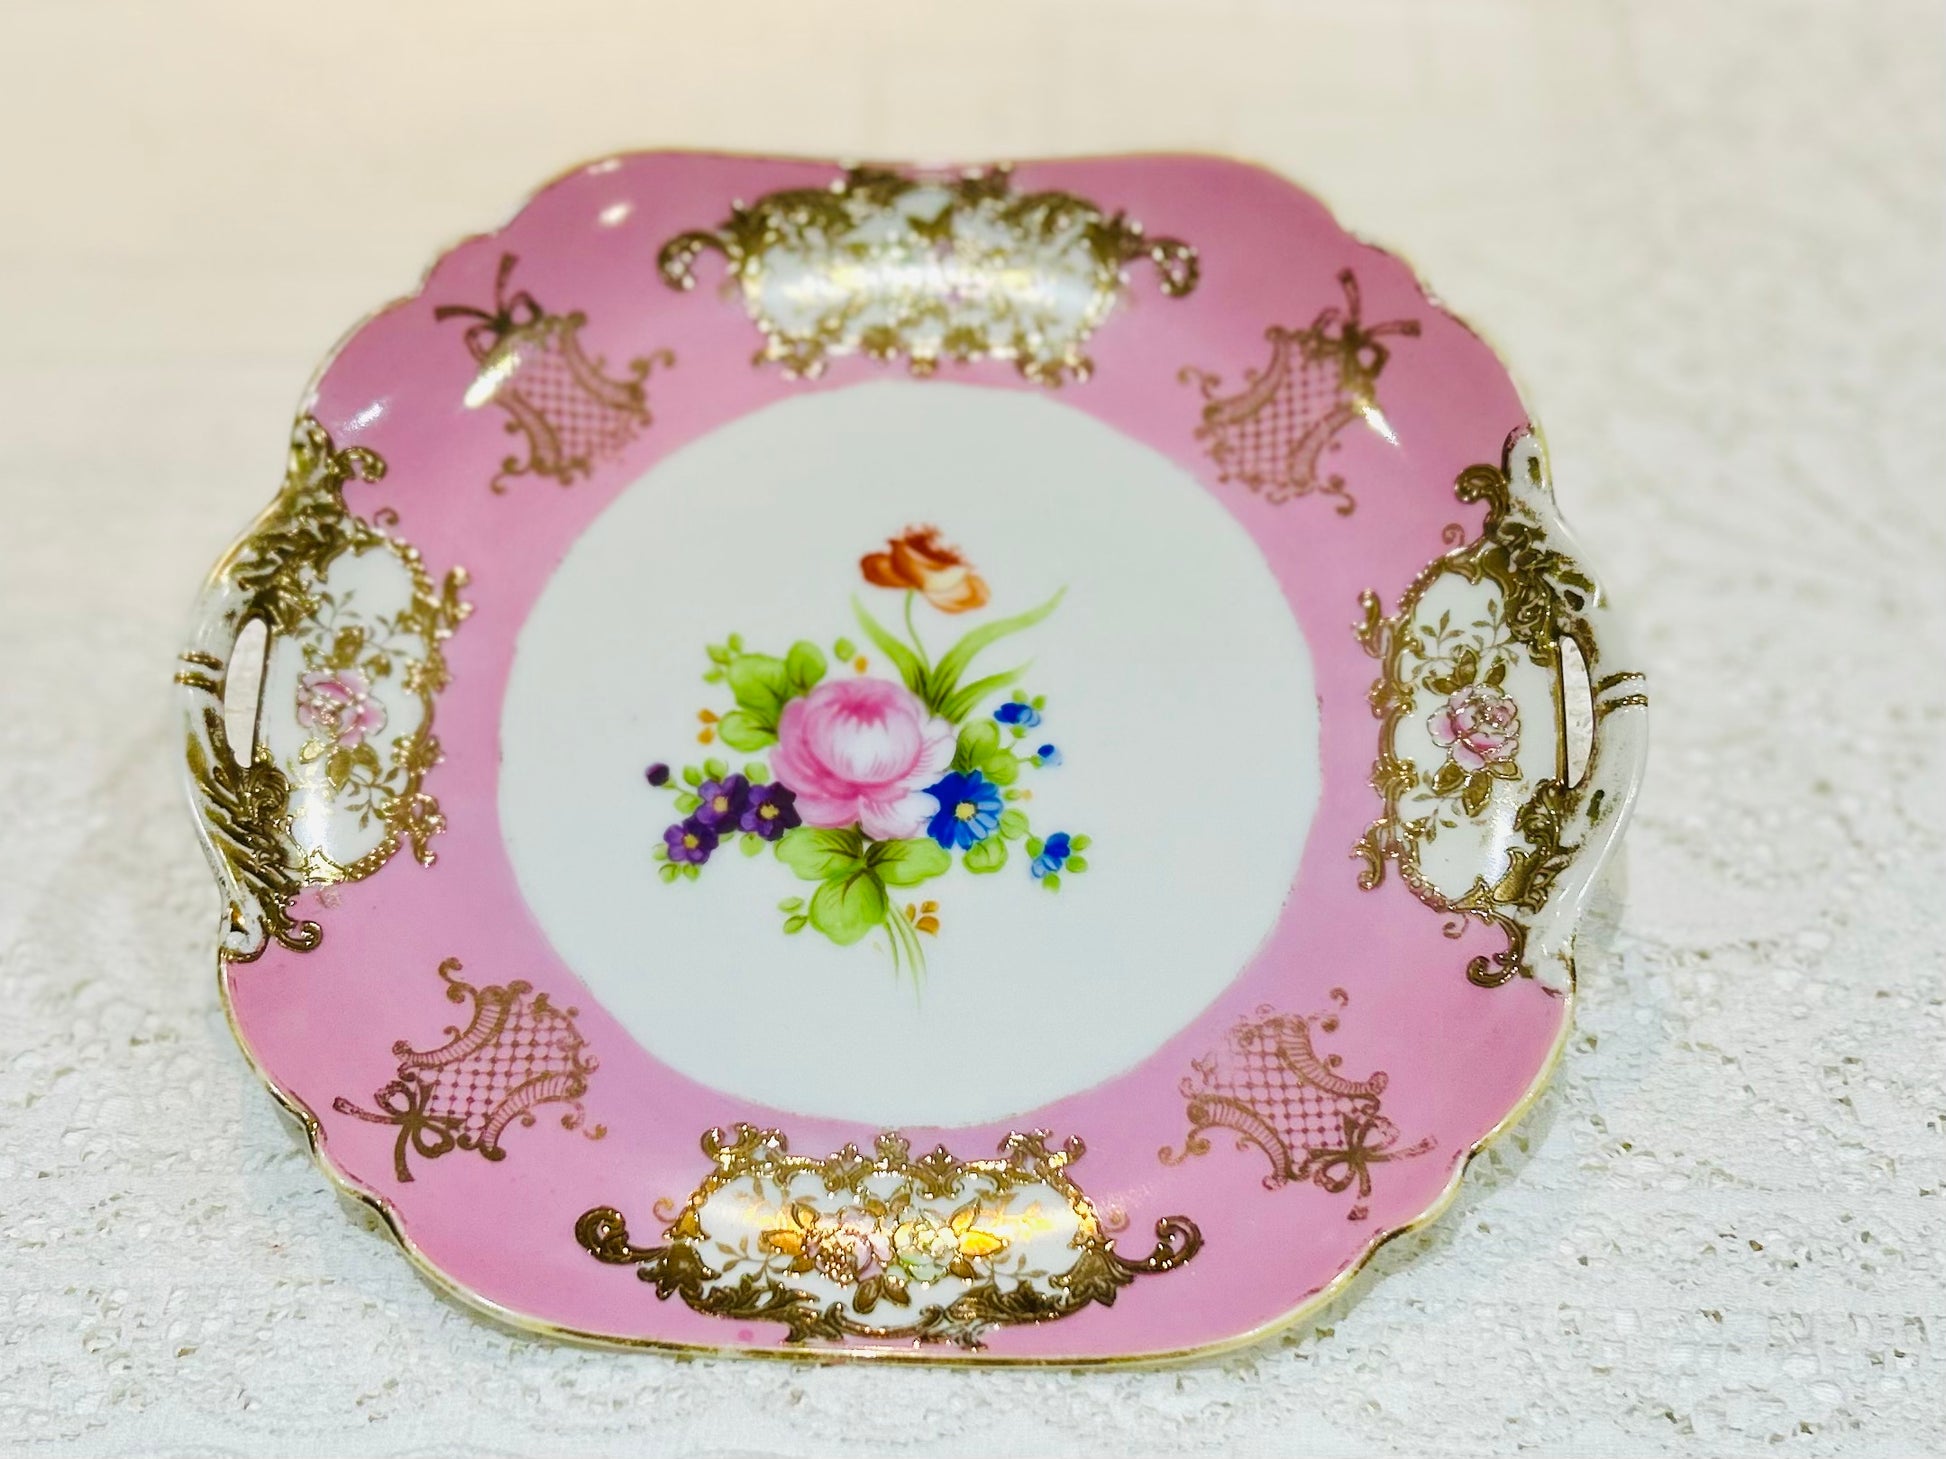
(1473, 799)
(1052, 881)
(691, 870)
(907, 863)
(961, 702)
(691, 775)
(1448, 779)
(979, 748)
(976, 741)
(750, 843)
(756, 772)
(1035, 846)
(740, 730)
(844, 648)
(1504, 770)
(1077, 863)
(1080, 843)
(1013, 824)
(816, 855)
(791, 904)
(685, 802)
(1497, 675)
(715, 769)
(804, 666)
(1001, 767)
(668, 871)
(846, 907)
(903, 659)
(986, 856)
(959, 657)
(795, 924)
(761, 685)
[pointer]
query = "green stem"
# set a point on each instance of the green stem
(907, 954)
(912, 629)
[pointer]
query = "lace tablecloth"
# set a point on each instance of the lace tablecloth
(1709, 240)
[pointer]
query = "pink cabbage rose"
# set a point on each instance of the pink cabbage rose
(1478, 726)
(339, 707)
(859, 750)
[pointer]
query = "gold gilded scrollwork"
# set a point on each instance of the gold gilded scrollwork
(516, 1053)
(278, 575)
(931, 1249)
(571, 411)
(247, 811)
(1273, 1089)
(1537, 597)
(1272, 434)
(929, 268)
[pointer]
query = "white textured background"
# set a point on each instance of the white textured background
(1709, 238)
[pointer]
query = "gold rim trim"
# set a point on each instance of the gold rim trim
(457, 1292)
(454, 1291)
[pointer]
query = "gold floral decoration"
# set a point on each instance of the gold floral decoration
(1537, 598)
(279, 574)
(930, 268)
(929, 1249)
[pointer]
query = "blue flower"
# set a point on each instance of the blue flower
(1014, 712)
(969, 809)
(1047, 756)
(1055, 852)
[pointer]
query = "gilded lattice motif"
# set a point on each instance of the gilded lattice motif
(1272, 435)
(516, 1053)
(1275, 1090)
(954, 268)
(570, 410)
(930, 1248)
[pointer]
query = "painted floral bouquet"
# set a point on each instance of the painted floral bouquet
(872, 786)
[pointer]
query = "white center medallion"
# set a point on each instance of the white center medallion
(955, 823)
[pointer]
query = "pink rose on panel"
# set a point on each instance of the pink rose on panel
(338, 706)
(1478, 726)
(1479, 729)
(874, 784)
(860, 750)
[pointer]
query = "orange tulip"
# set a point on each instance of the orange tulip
(922, 563)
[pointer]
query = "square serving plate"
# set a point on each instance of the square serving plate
(933, 764)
